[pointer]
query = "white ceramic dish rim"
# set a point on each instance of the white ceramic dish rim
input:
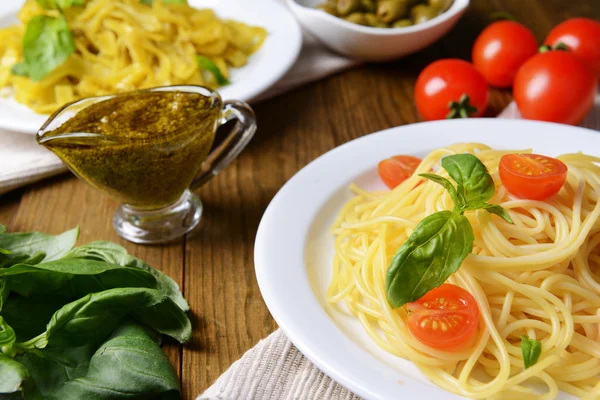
(282, 238)
(457, 7)
(284, 49)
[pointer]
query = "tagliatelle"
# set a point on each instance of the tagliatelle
(124, 45)
(539, 277)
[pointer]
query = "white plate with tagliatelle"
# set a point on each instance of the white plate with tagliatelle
(444, 260)
(53, 52)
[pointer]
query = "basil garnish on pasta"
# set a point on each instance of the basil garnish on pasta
(531, 350)
(441, 241)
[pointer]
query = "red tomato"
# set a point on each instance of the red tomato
(445, 318)
(501, 49)
(397, 169)
(446, 81)
(556, 87)
(582, 37)
(532, 176)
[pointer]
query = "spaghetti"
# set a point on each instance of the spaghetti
(538, 277)
(124, 45)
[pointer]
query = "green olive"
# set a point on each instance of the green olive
(422, 13)
(402, 23)
(392, 10)
(328, 9)
(356, 18)
(441, 5)
(347, 7)
(374, 21)
(369, 6)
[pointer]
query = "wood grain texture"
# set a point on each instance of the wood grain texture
(214, 266)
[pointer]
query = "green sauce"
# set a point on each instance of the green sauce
(150, 145)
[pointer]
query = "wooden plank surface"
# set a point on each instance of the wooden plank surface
(214, 266)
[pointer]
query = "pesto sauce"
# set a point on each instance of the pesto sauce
(151, 147)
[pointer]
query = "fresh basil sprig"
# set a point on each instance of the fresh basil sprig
(48, 43)
(441, 241)
(531, 350)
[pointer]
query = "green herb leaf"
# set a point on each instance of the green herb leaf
(473, 181)
(499, 211)
(128, 365)
(206, 64)
(29, 316)
(47, 44)
(60, 4)
(32, 246)
(14, 375)
(115, 254)
(7, 333)
(2, 228)
(459, 202)
(74, 278)
(96, 315)
(434, 251)
(531, 350)
(4, 292)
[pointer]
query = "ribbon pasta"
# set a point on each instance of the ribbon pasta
(124, 45)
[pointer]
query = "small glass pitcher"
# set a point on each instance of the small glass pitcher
(148, 158)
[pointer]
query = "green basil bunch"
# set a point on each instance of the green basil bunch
(441, 241)
(84, 322)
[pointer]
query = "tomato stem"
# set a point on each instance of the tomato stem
(557, 47)
(502, 16)
(461, 108)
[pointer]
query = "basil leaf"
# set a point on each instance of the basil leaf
(128, 365)
(74, 278)
(473, 181)
(14, 375)
(30, 246)
(499, 211)
(4, 292)
(96, 315)
(206, 64)
(29, 316)
(59, 4)
(459, 202)
(47, 44)
(7, 333)
(115, 254)
(531, 350)
(434, 251)
(2, 228)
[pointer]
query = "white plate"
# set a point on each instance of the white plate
(294, 250)
(265, 67)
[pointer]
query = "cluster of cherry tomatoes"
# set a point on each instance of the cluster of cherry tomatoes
(556, 82)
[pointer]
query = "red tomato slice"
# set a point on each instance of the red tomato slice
(532, 176)
(445, 318)
(582, 37)
(397, 169)
(501, 49)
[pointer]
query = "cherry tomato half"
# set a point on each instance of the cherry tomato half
(393, 171)
(582, 37)
(532, 176)
(445, 318)
(446, 81)
(501, 49)
(554, 86)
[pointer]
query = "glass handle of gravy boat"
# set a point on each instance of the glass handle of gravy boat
(228, 150)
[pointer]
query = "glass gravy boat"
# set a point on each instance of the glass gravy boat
(148, 149)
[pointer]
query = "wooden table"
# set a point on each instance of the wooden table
(214, 266)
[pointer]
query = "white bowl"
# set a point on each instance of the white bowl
(373, 44)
